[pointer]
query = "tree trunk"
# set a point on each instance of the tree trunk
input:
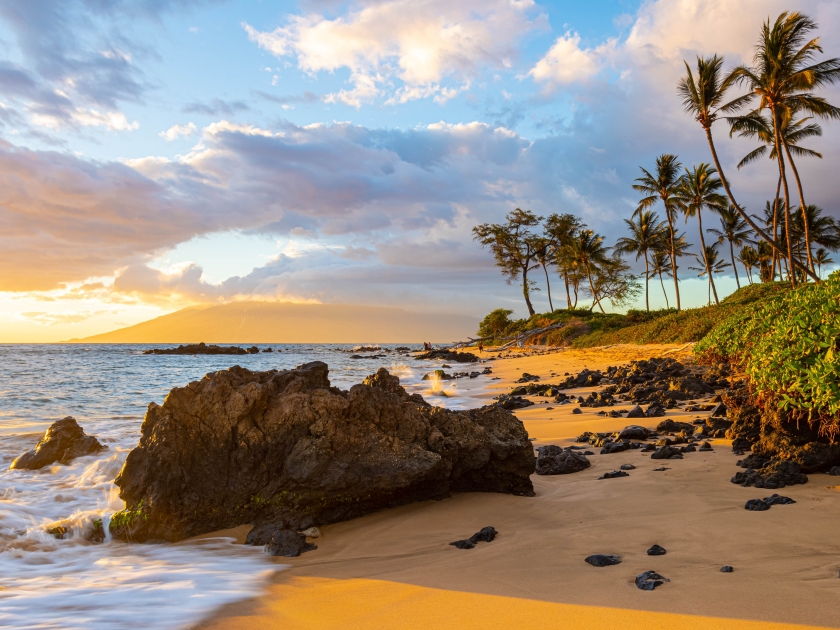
(801, 206)
(732, 255)
(706, 258)
(665, 293)
(780, 158)
(548, 287)
(526, 292)
(592, 289)
(673, 252)
(741, 211)
(568, 297)
(775, 230)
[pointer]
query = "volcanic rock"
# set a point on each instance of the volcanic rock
(513, 402)
(287, 543)
(198, 348)
(262, 447)
(627, 467)
(649, 580)
(613, 475)
(726, 569)
(553, 460)
(636, 412)
(603, 560)
(614, 447)
(674, 427)
(756, 505)
(776, 474)
(64, 441)
(775, 499)
(634, 431)
(666, 452)
(485, 534)
(753, 461)
(835, 471)
(448, 355)
(656, 550)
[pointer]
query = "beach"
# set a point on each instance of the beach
(395, 568)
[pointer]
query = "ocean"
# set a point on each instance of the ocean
(71, 583)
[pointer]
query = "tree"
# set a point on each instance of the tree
(660, 186)
(543, 252)
(588, 254)
(703, 98)
(735, 230)
(822, 258)
(562, 228)
(698, 189)
(784, 78)
(495, 323)
(765, 262)
(712, 264)
(660, 265)
(749, 258)
(512, 247)
(614, 282)
(645, 234)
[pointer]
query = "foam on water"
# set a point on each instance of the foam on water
(72, 583)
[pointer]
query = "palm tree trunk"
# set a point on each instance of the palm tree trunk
(706, 258)
(525, 290)
(732, 255)
(664, 292)
(781, 160)
(548, 287)
(568, 297)
(775, 229)
(647, 284)
(741, 211)
(801, 205)
(673, 253)
(592, 289)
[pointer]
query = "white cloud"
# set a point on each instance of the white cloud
(178, 131)
(113, 121)
(566, 62)
(420, 43)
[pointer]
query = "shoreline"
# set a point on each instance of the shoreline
(396, 567)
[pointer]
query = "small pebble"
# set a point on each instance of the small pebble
(603, 560)
(656, 550)
(726, 569)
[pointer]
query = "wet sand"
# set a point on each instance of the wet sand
(396, 569)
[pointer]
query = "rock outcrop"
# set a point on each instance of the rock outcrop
(202, 348)
(64, 441)
(448, 355)
(555, 460)
(264, 447)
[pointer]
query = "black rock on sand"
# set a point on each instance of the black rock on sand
(485, 534)
(649, 580)
(603, 560)
(64, 441)
(554, 460)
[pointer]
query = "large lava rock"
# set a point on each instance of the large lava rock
(554, 460)
(64, 441)
(202, 348)
(263, 447)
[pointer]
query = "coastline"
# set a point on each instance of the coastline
(395, 567)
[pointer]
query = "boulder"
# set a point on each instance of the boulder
(554, 460)
(636, 412)
(264, 447)
(603, 560)
(670, 426)
(633, 432)
(448, 355)
(64, 441)
(649, 580)
(666, 452)
(776, 474)
(614, 447)
(287, 543)
(198, 348)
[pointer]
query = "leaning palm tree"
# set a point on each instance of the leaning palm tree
(712, 265)
(589, 253)
(703, 98)
(784, 78)
(821, 258)
(645, 235)
(698, 189)
(756, 125)
(749, 258)
(660, 186)
(735, 230)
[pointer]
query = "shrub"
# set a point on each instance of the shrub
(495, 324)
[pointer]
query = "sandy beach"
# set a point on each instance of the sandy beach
(395, 568)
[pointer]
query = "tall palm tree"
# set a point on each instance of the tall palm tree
(822, 258)
(825, 230)
(645, 235)
(784, 78)
(703, 98)
(660, 265)
(543, 252)
(749, 258)
(589, 253)
(765, 257)
(756, 125)
(561, 228)
(698, 189)
(735, 230)
(712, 265)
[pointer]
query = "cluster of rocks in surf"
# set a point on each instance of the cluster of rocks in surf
(63, 442)
(441, 375)
(285, 450)
(448, 355)
(202, 348)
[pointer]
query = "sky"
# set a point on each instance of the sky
(156, 154)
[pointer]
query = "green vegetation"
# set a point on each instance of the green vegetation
(789, 347)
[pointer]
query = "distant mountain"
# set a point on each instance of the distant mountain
(283, 322)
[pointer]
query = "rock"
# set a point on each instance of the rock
(835, 471)
(437, 375)
(627, 467)
(262, 447)
(447, 355)
(576, 410)
(649, 580)
(513, 402)
(636, 412)
(588, 453)
(655, 410)
(95, 533)
(660, 469)
(726, 569)
(287, 543)
(705, 447)
(719, 411)
(647, 448)
(776, 474)
(674, 427)
(688, 449)
(311, 532)
(60, 532)
(63, 442)
(553, 460)
(756, 505)
(486, 534)
(603, 560)
(775, 499)
(753, 461)
(665, 452)
(613, 475)
(269, 350)
(527, 378)
(198, 348)
(656, 550)
(634, 431)
(614, 447)
(253, 350)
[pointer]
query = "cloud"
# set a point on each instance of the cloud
(566, 62)
(178, 131)
(216, 107)
(52, 319)
(420, 43)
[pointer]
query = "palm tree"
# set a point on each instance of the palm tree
(712, 265)
(645, 234)
(756, 125)
(589, 253)
(822, 258)
(765, 258)
(749, 258)
(660, 265)
(825, 231)
(704, 99)
(784, 78)
(561, 228)
(698, 189)
(735, 230)
(543, 251)
(660, 186)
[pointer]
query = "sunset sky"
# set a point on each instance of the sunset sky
(161, 153)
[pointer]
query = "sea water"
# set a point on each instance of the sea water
(72, 583)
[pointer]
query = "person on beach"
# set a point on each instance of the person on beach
(480, 346)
